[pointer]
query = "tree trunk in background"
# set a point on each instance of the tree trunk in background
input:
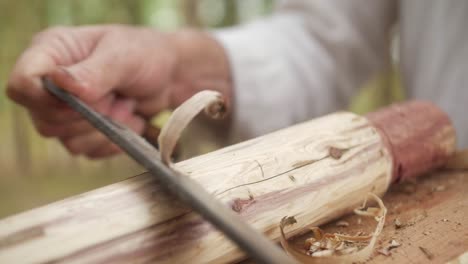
(21, 139)
(189, 9)
(231, 16)
(134, 11)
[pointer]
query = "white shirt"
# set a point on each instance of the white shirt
(310, 57)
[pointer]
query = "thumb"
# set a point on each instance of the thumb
(91, 79)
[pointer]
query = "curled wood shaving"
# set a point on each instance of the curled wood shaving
(338, 248)
(342, 224)
(386, 250)
(210, 101)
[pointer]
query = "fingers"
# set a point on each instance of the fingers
(107, 68)
(57, 46)
(65, 130)
(147, 107)
(82, 139)
(24, 85)
(94, 144)
(49, 49)
(91, 79)
(87, 62)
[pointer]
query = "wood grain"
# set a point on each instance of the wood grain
(315, 171)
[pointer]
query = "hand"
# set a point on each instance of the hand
(126, 73)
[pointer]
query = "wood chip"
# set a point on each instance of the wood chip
(323, 253)
(384, 251)
(342, 224)
(398, 224)
(439, 188)
(393, 244)
(427, 253)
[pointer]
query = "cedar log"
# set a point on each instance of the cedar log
(315, 171)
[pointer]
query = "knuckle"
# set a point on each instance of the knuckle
(12, 92)
(93, 156)
(47, 130)
(72, 146)
(61, 116)
(50, 32)
(20, 81)
(56, 30)
(19, 86)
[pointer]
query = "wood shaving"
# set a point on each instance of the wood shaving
(210, 101)
(398, 224)
(338, 248)
(386, 250)
(342, 224)
(393, 244)
(439, 188)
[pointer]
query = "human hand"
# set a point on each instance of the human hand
(126, 73)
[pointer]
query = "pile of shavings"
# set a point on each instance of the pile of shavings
(338, 248)
(323, 244)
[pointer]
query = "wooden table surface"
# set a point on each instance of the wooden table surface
(434, 213)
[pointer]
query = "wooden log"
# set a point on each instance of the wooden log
(315, 171)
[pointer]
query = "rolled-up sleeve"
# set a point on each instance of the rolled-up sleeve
(305, 60)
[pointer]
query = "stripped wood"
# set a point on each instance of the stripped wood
(315, 171)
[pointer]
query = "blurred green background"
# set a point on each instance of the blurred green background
(36, 171)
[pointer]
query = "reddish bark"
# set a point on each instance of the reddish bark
(419, 135)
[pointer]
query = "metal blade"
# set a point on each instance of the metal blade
(250, 240)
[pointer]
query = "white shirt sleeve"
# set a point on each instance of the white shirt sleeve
(306, 60)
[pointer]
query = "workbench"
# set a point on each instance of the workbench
(432, 212)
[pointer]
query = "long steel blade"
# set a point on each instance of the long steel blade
(250, 240)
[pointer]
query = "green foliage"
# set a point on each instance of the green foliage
(35, 170)
(382, 90)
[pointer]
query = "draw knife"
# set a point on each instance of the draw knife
(257, 246)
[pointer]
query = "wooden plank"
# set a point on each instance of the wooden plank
(434, 214)
(315, 171)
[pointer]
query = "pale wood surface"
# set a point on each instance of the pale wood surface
(434, 211)
(315, 171)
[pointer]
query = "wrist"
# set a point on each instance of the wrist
(202, 64)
